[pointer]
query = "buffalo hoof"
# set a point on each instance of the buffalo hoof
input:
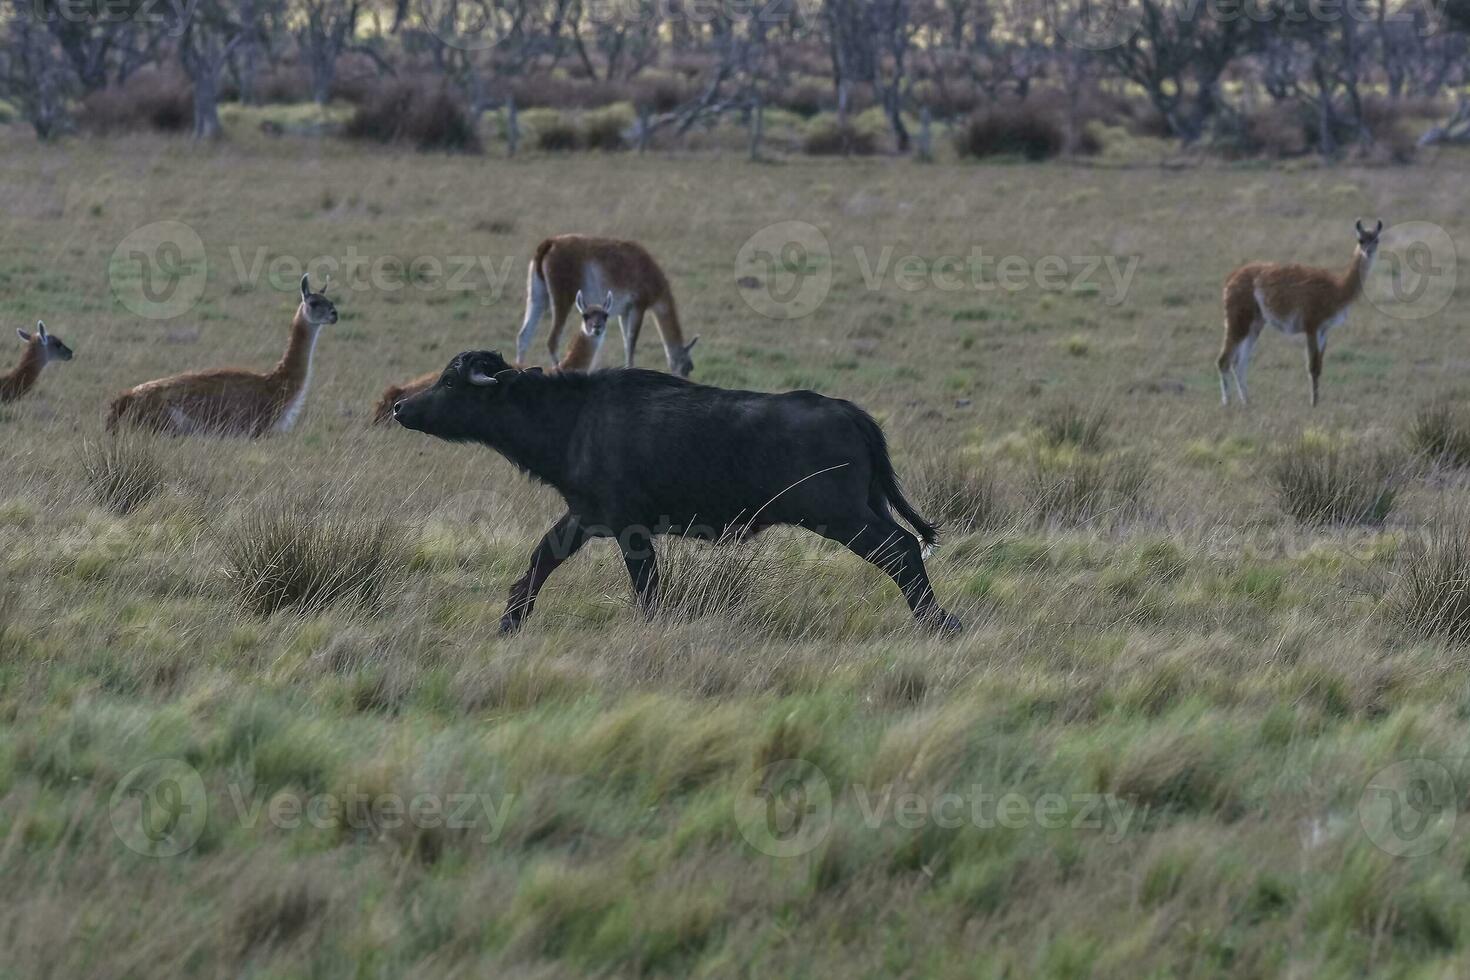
(509, 624)
(942, 623)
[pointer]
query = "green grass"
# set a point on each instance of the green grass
(1153, 638)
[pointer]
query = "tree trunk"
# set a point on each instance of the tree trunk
(925, 151)
(757, 128)
(512, 126)
(206, 104)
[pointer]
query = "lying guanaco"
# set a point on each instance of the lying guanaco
(581, 355)
(229, 401)
(41, 349)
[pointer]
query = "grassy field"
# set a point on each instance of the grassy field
(1156, 751)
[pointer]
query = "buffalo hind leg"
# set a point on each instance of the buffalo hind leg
(642, 562)
(892, 548)
(563, 541)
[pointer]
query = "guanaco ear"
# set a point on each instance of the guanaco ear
(607, 304)
(690, 346)
(41, 331)
(325, 283)
(305, 285)
(1359, 226)
(1379, 228)
(25, 338)
(581, 307)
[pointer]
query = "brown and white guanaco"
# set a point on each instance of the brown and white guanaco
(41, 349)
(568, 265)
(1295, 299)
(229, 401)
(581, 355)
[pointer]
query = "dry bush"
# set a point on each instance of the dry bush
(1292, 129)
(555, 91)
(1325, 483)
(422, 113)
(1085, 489)
(156, 101)
(1441, 432)
(1029, 130)
(558, 136)
(604, 130)
(661, 94)
(1070, 424)
(1429, 596)
(283, 85)
(829, 138)
(948, 98)
(291, 555)
(806, 97)
(124, 474)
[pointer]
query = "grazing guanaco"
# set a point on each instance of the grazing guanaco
(41, 349)
(230, 401)
(1293, 299)
(581, 355)
(568, 265)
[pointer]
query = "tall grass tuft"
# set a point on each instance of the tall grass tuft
(952, 492)
(123, 474)
(1070, 424)
(731, 580)
(1430, 594)
(1085, 489)
(1441, 432)
(9, 603)
(287, 555)
(1319, 482)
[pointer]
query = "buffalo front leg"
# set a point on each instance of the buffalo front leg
(563, 541)
(892, 548)
(642, 562)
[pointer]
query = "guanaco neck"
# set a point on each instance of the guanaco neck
(20, 380)
(294, 370)
(1351, 283)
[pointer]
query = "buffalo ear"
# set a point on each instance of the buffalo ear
(533, 370)
(581, 307)
(25, 338)
(305, 285)
(481, 379)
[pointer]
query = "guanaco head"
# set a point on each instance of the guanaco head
(52, 349)
(1368, 240)
(594, 318)
(682, 363)
(317, 310)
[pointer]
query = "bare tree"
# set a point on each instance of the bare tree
(209, 34)
(327, 29)
(33, 73)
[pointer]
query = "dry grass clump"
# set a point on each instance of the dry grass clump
(1430, 594)
(1320, 482)
(1085, 489)
(124, 474)
(953, 492)
(421, 113)
(1070, 424)
(291, 555)
(728, 579)
(1440, 431)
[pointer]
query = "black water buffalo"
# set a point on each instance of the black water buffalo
(641, 453)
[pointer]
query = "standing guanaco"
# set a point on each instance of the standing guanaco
(568, 265)
(1293, 299)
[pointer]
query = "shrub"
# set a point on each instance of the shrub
(1069, 424)
(805, 97)
(1324, 483)
(603, 130)
(288, 555)
(1430, 593)
(1441, 432)
(1010, 131)
(829, 138)
(661, 94)
(1088, 488)
(123, 474)
(151, 100)
(421, 113)
(557, 135)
